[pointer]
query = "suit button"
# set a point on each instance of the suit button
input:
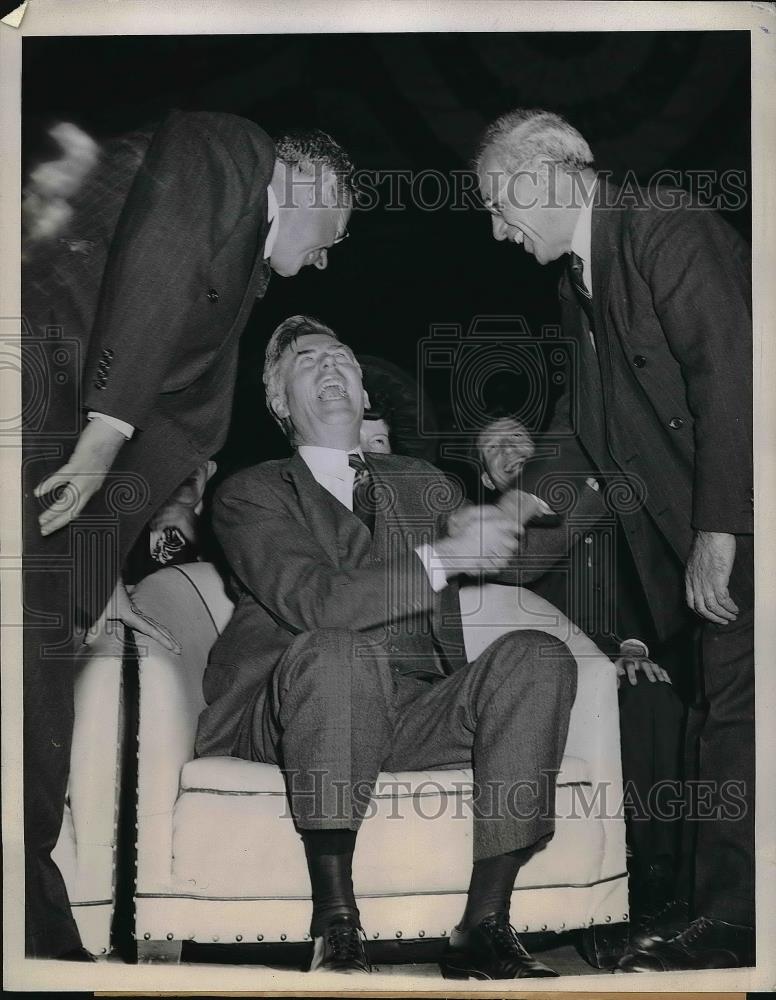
(675, 423)
(639, 361)
(213, 295)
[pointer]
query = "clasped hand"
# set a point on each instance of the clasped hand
(479, 539)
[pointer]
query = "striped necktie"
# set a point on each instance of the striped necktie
(363, 506)
(576, 275)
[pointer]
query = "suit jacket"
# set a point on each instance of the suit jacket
(663, 408)
(151, 283)
(302, 561)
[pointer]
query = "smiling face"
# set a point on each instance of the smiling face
(324, 398)
(530, 208)
(375, 436)
(311, 218)
(504, 447)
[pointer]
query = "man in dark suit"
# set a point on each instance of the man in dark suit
(345, 654)
(133, 304)
(656, 299)
(577, 566)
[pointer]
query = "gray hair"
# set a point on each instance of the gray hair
(284, 337)
(520, 136)
(313, 151)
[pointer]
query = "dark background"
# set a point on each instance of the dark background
(645, 101)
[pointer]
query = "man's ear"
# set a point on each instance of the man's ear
(279, 407)
(487, 482)
(367, 404)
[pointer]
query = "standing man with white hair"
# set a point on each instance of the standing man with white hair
(656, 297)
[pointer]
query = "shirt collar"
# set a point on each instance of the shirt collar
(274, 222)
(328, 461)
(582, 237)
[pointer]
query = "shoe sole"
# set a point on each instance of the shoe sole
(463, 972)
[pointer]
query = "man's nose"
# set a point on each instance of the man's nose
(321, 260)
(499, 228)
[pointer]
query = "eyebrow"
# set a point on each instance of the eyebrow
(313, 350)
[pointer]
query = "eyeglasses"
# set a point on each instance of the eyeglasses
(339, 239)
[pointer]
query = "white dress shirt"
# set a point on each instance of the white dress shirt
(330, 470)
(581, 244)
(582, 238)
(274, 222)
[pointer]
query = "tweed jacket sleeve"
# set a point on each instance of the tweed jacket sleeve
(699, 276)
(202, 175)
(300, 562)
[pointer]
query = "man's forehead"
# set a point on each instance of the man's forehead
(314, 341)
(499, 432)
(492, 177)
(307, 344)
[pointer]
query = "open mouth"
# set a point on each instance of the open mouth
(332, 390)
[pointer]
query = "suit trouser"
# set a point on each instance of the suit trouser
(68, 577)
(724, 865)
(336, 714)
(651, 735)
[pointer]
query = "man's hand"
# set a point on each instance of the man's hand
(628, 666)
(121, 609)
(527, 509)
(82, 476)
(707, 574)
(479, 539)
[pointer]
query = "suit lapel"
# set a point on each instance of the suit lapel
(603, 250)
(339, 532)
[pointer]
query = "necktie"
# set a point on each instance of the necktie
(363, 507)
(576, 274)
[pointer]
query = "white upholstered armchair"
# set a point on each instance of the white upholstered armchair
(218, 858)
(86, 849)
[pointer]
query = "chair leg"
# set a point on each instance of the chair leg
(159, 952)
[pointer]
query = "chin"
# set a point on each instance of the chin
(284, 270)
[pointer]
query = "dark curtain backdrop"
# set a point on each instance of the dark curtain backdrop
(646, 101)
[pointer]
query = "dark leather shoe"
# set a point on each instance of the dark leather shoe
(603, 945)
(77, 955)
(657, 927)
(491, 950)
(703, 944)
(341, 948)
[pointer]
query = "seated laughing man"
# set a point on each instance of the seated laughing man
(345, 655)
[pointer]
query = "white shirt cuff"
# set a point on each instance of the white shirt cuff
(120, 425)
(544, 507)
(432, 564)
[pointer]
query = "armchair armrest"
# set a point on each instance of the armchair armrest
(86, 848)
(594, 727)
(190, 601)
